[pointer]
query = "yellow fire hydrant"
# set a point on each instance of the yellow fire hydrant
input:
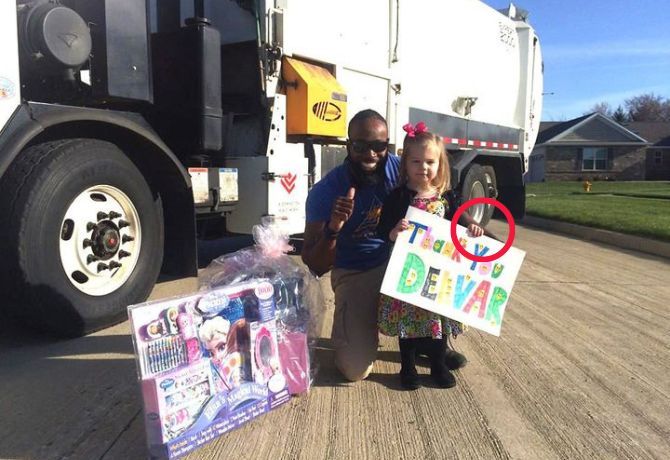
(587, 186)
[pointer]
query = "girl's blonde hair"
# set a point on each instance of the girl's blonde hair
(427, 140)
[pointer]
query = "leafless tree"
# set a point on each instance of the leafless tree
(648, 107)
(601, 107)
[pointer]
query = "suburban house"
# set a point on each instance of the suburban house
(658, 152)
(595, 147)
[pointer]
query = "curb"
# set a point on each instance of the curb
(636, 243)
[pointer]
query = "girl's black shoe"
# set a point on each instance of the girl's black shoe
(409, 380)
(442, 376)
(438, 368)
(454, 360)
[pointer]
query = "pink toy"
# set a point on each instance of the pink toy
(193, 350)
(294, 360)
(266, 351)
(265, 359)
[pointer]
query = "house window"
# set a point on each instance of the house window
(594, 158)
(658, 158)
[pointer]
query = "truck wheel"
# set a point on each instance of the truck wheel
(82, 235)
(479, 182)
(491, 190)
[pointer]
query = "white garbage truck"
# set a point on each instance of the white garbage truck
(130, 128)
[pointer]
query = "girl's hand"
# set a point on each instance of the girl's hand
(475, 230)
(403, 224)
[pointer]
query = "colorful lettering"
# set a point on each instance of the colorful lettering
(479, 298)
(412, 274)
(498, 298)
(460, 293)
(448, 249)
(445, 289)
(479, 254)
(497, 270)
(456, 256)
(485, 268)
(429, 290)
(415, 230)
(427, 240)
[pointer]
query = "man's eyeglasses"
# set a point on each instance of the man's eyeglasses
(365, 146)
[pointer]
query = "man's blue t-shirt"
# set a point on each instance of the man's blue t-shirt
(358, 246)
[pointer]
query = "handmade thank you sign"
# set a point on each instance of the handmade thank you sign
(428, 269)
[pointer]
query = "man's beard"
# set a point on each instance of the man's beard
(362, 178)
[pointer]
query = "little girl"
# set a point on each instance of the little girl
(424, 179)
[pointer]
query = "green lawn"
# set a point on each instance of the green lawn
(637, 208)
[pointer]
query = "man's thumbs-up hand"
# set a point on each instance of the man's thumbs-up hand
(343, 208)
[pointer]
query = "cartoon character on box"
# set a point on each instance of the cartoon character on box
(227, 345)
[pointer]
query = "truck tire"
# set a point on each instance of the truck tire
(82, 236)
(491, 190)
(479, 182)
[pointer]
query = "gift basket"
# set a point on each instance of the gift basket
(210, 361)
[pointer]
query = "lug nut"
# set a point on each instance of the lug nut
(90, 226)
(91, 258)
(123, 254)
(123, 223)
(102, 267)
(87, 243)
(102, 215)
(114, 264)
(126, 238)
(114, 214)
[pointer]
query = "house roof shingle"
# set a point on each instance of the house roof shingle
(657, 133)
(596, 127)
(550, 129)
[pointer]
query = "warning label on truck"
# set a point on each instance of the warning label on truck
(200, 184)
(228, 184)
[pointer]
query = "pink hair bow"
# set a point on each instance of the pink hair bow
(412, 131)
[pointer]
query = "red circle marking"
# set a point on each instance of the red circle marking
(461, 210)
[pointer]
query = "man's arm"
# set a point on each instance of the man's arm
(318, 251)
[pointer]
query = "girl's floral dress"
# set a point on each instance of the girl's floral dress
(405, 320)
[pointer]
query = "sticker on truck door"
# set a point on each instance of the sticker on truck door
(287, 193)
(288, 182)
(291, 205)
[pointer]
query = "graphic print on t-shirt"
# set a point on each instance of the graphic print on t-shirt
(368, 227)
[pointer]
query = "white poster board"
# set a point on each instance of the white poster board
(428, 271)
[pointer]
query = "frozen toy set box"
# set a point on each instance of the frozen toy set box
(213, 360)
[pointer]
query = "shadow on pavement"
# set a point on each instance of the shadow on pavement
(68, 398)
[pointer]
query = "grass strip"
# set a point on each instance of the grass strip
(643, 210)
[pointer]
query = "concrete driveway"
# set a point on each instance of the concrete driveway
(580, 371)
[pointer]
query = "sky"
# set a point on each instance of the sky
(599, 51)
